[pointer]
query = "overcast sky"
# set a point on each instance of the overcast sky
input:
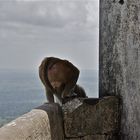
(33, 29)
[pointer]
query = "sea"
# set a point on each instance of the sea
(22, 90)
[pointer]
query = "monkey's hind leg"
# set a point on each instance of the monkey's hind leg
(80, 92)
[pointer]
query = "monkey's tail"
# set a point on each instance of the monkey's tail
(80, 91)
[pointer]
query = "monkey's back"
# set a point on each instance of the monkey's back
(60, 73)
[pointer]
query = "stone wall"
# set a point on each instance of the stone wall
(42, 123)
(92, 119)
(119, 68)
(83, 119)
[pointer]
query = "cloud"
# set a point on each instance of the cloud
(63, 20)
(38, 28)
(48, 13)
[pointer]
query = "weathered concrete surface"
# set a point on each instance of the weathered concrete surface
(44, 123)
(119, 68)
(33, 125)
(96, 137)
(84, 117)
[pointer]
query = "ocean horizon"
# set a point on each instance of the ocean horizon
(21, 91)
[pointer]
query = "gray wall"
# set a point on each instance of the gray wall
(119, 61)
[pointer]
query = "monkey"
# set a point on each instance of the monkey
(59, 78)
(80, 92)
(77, 92)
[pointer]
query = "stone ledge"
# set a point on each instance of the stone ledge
(42, 123)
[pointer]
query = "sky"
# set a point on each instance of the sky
(33, 29)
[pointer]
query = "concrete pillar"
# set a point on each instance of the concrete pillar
(119, 60)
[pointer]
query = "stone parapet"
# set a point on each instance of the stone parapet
(82, 119)
(89, 119)
(42, 123)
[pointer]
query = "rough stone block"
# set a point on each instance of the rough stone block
(42, 123)
(84, 117)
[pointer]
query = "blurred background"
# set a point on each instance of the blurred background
(33, 29)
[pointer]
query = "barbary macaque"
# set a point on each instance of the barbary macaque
(59, 78)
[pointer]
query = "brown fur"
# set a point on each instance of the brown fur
(80, 92)
(59, 77)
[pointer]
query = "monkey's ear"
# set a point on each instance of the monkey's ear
(43, 68)
(79, 71)
(43, 71)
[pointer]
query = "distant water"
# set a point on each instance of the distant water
(20, 91)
